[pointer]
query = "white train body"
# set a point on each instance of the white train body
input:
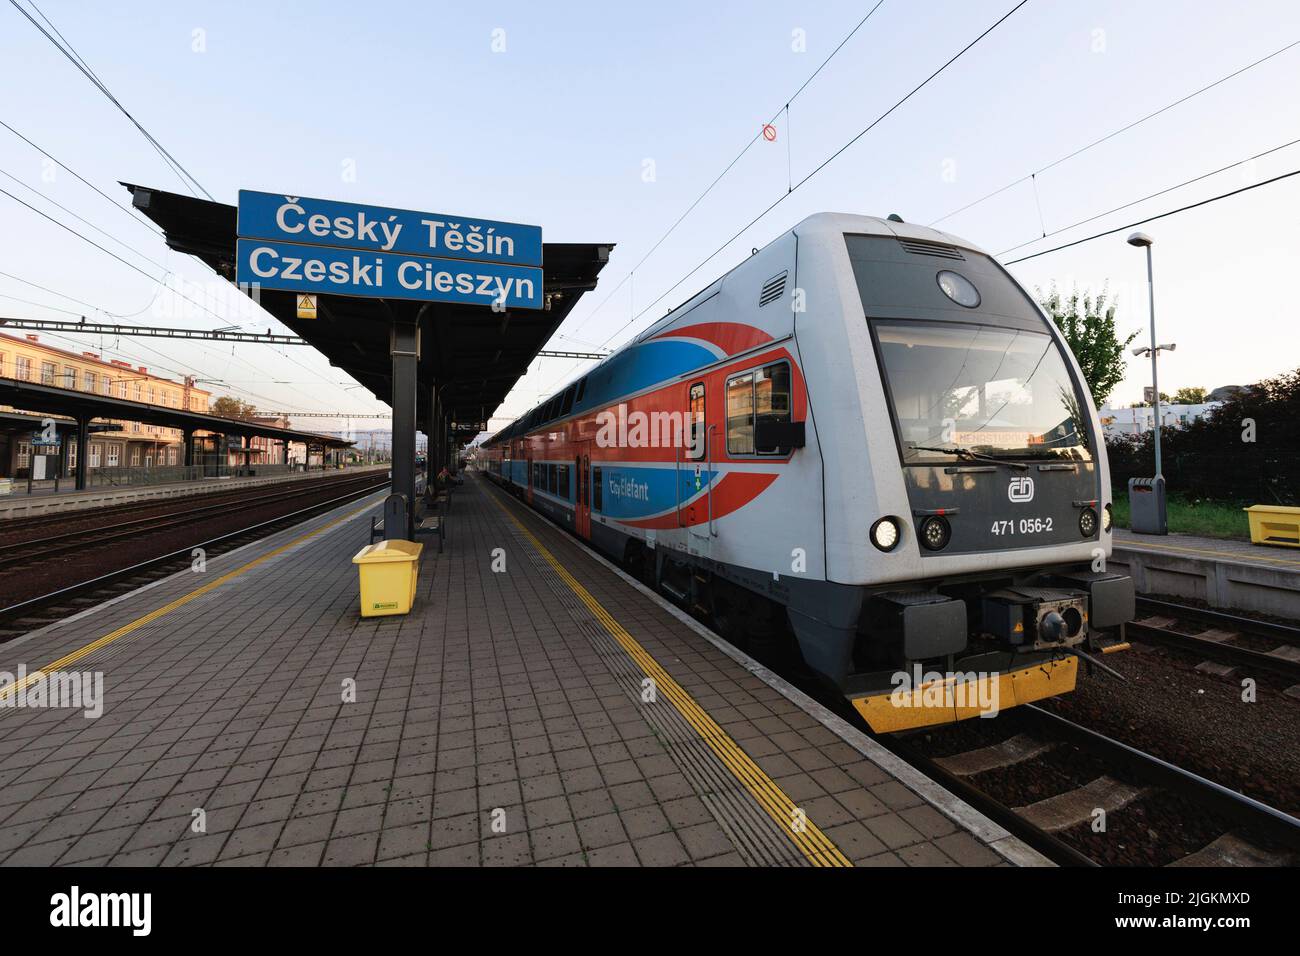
(859, 377)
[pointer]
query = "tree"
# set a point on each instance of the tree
(1189, 395)
(227, 406)
(1092, 338)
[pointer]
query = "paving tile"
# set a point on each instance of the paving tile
(665, 849)
(600, 831)
(617, 854)
(644, 822)
(351, 850)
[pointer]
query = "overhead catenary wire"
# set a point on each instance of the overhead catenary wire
(1163, 215)
(1161, 192)
(744, 149)
(1111, 135)
(84, 220)
(76, 60)
(128, 210)
(108, 252)
(826, 162)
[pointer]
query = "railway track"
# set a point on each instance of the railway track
(24, 616)
(1247, 832)
(1227, 638)
(29, 551)
(45, 519)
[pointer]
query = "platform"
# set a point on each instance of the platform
(505, 721)
(25, 506)
(1225, 573)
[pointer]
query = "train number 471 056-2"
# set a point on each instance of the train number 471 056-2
(1022, 526)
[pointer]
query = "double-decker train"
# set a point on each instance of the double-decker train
(866, 440)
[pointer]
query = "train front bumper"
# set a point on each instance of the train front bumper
(945, 699)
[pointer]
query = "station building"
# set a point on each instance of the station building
(124, 444)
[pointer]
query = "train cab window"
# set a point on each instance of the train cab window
(698, 428)
(761, 396)
(597, 490)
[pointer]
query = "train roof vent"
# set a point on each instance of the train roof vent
(920, 247)
(772, 290)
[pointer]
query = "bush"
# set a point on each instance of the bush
(1245, 450)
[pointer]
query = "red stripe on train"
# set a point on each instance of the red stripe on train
(734, 490)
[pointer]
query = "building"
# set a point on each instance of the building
(123, 445)
(1140, 420)
(259, 450)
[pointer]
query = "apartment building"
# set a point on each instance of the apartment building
(128, 444)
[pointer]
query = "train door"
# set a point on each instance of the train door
(582, 498)
(694, 484)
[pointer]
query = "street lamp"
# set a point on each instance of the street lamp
(1154, 519)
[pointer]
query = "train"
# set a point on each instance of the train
(866, 446)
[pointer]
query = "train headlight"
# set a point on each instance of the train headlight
(935, 532)
(1106, 519)
(1087, 522)
(885, 534)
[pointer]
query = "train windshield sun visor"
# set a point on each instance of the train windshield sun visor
(963, 392)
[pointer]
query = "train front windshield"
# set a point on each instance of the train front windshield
(999, 392)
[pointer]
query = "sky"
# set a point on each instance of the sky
(605, 123)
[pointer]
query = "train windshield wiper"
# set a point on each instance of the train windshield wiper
(967, 455)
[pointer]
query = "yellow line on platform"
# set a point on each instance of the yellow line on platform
(1238, 556)
(811, 841)
(125, 629)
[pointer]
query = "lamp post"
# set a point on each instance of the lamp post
(1142, 240)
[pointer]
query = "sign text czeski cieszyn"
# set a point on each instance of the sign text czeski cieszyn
(319, 245)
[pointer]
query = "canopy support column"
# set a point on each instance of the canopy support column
(83, 451)
(404, 348)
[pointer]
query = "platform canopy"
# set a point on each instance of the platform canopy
(75, 404)
(472, 355)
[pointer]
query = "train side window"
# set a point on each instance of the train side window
(698, 427)
(740, 414)
(597, 490)
(759, 396)
(550, 478)
(562, 481)
(567, 405)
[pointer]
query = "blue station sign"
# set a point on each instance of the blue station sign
(324, 269)
(325, 222)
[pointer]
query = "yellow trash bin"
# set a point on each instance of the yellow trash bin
(388, 571)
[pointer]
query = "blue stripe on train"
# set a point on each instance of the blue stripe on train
(655, 362)
(630, 493)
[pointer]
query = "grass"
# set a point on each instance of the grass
(1213, 519)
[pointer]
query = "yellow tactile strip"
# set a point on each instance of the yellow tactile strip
(131, 627)
(815, 846)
